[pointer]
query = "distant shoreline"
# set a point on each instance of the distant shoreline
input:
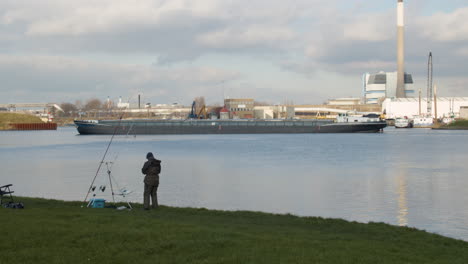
(6, 119)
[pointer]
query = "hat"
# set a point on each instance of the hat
(149, 155)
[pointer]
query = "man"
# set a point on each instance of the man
(151, 169)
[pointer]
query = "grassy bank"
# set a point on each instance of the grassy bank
(459, 124)
(50, 231)
(8, 118)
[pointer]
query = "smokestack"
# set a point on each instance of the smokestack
(400, 92)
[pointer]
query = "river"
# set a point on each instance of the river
(407, 177)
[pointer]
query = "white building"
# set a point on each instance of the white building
(123, 105)
(378, 86)
(273, 112)
(464, 112)
(400, 107)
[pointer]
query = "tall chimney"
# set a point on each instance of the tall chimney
(400, 91)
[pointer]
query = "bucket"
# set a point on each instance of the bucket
(98, 203)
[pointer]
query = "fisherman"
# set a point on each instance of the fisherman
(151, 169)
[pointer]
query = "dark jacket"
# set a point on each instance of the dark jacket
(151, 169)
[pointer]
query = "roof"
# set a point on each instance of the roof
(439, 99)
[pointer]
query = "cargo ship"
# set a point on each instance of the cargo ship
(342, 124)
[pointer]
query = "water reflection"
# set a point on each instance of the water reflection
(402, 199)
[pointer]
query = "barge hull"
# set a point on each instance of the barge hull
(204, 127)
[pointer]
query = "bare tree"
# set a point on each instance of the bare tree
(69, 110)
(79, 104)
(199, 103)
(92, 107)
(93, 104)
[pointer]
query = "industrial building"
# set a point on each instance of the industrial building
(240, 108)
(409, 107)
(378, 86)
(274, 112)
(464, 112)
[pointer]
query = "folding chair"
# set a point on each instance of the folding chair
(4, 192)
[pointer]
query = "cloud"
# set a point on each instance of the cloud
(246, 37)
(368, 28)
(174, 30)
(445, 27)
(111, 16)
(463, 51)
(52, 77)
(292, 42)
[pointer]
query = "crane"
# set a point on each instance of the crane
(201, 113)
(192, 112)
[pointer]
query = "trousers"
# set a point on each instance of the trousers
(150, 190)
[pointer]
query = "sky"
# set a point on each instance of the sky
(171, 51)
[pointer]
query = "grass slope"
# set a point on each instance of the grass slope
(459, 123)
(7, 118)
(50, 231)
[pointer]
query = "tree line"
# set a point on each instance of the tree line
(78, 108)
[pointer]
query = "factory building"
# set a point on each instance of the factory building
(464, 112)
(240, 108)
(378, 86)
(409, 107)
(274, 112)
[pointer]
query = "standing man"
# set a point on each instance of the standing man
(151, 169)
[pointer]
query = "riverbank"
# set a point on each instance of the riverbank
(51, 231)
(8, 118)
(457, 125)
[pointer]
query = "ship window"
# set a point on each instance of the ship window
(288, 123)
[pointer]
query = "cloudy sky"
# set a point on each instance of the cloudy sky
(305, 51)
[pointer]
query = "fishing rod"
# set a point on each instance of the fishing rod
(103, 158)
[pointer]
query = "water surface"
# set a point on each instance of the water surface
(413, 177)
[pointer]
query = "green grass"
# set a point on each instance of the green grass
(7, 118)
(50, 231)
(459, 124)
